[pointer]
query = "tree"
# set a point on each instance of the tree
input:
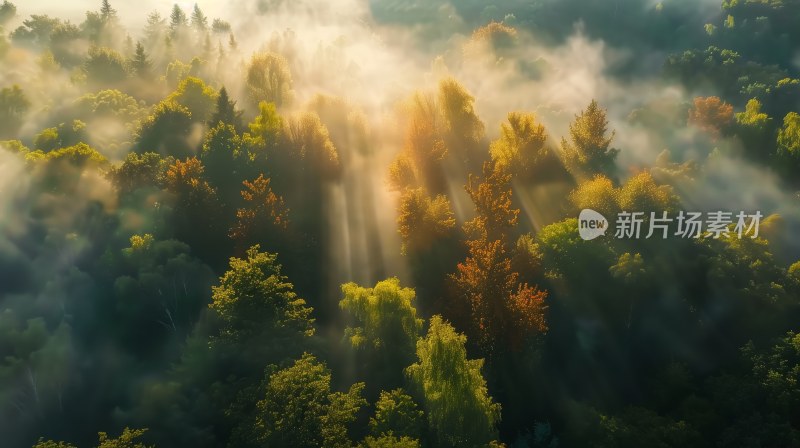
(266, 132)
(263, 211)
(269, 79)
(66, 45)
(389, 441)
(752, 115)
(598, 194)
(35, 31)
(62, 136)
(193, 94)
(502, 312)
(789, 136)
(712, 115)
(147, 170)
(453, 392)
(299, 409)
(14, 106)
(521, 146)
(422, 219)
(640, 193)
(166, 130)
(7, 12)
(223, 154)
(107, 13)
(386, 330)
(199, 20)
(197, 210)
(777, 370)
(140, 64)
(396, 414)
(425, 147)
(491, 195)
(754, 129)
(256, 304)
(105, 66)
(219, 26)
(177, 20)
(588, 150)
(495, 35)
(310, 142)
(464, 130)
(155, 29)
(226, 111)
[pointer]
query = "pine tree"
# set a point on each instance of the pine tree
(199, 20)
(226, 111)
(140, 64)
(154, 29)
(232, 43)
(177, 19)
(107, 13)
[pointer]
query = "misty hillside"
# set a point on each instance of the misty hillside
(400, 223)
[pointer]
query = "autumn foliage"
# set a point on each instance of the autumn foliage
(503, 313)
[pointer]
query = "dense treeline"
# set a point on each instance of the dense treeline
(182, 215)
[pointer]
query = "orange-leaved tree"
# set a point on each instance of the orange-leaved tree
(502, 312)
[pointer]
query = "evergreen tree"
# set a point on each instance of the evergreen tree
(226, 112)
(107, 13)
(140, 64)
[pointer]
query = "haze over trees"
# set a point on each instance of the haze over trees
(354, 224)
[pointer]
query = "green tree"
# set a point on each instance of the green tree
(789, 137)
(463, 128)
(267, 126)
(61, 136)
(588, 151)
(311, 144)
(7, 12)
(255, 303)
(422, 219)
(222, 153)
(193, 94)
(166, 130)
(155, 29)
(177, 20)
(396, 414)
(14, 106)
(219, 26)
(66, 45)
(269, 79)
(386, 330)
(226, 112)
(107, 12)
(125, 440)
(299, 409)
(521, 146)
(105, 67)
(389, 441)
(199, 20)
(140, 64)
(35, 31)
(453, 392)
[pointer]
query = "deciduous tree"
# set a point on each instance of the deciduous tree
(453, 392)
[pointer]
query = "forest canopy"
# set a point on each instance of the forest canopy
(362, 223)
